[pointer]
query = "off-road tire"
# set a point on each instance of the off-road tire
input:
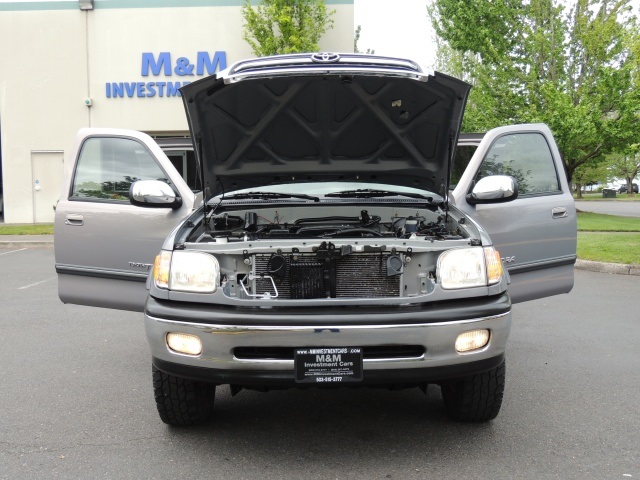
(182, 402)
(476, 398)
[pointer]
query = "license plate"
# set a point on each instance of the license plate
(328, 365)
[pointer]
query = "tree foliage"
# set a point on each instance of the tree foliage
(591, 173)
(625, 165)
(285, 26)
(573, 65)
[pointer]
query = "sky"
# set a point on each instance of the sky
(399, 28)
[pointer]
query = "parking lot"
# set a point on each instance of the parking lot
(77, 401)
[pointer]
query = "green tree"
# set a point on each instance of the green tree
(625, 165)
(590, 174)
(285, 26)
(574, 67)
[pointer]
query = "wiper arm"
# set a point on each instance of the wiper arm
(373, 193)
(270, 195)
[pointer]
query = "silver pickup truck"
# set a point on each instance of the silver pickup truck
(339, 238)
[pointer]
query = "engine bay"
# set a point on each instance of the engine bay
(265, 224)
(305, 252)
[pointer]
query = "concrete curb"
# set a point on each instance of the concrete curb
(602, 267)
(25, 241)
(9, 245)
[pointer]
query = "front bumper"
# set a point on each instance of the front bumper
(224, 332)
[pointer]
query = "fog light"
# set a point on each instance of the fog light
(184, 343)
(472, 340)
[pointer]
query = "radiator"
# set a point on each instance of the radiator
(361, 275)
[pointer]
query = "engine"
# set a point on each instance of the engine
(253, 226)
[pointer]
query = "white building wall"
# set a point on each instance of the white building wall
(43, 76)
(51, 61)
(118, 58)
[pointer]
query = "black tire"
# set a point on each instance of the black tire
(182, 402)
(476, 398)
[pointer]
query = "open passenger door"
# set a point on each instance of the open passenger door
(535, 233)
(104, 245)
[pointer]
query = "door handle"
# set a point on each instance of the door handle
(559, 212)
(75, 220)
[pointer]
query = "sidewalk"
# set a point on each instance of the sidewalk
(22, 241)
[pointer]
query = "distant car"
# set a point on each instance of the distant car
(623, 188)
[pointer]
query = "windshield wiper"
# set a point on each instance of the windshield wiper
(270, 195)
(373, 193)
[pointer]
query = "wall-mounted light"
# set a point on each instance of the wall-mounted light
(85, 4)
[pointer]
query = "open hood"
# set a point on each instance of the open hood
(324, 117)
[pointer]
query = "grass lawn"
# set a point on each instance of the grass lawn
(607, 238)
(596, 222)
(609, 247)
(39, 229)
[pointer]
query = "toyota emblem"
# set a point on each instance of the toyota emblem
(325, 57)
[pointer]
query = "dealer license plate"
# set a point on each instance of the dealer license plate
(328, 365)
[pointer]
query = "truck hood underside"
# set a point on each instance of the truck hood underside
(333, 126)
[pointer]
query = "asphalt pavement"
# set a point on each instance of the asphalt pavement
(77, 401)
(623, 209)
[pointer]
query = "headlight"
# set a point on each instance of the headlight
(187, 272)
(469, 267)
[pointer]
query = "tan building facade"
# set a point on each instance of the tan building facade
(106, 63)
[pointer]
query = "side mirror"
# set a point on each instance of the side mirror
(153, 193)
(494, 189)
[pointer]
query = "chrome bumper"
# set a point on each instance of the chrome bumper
(219, 342)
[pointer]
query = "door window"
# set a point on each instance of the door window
(527, 158)
(109, 165)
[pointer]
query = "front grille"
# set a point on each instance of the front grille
(305, 277)
(376, 352)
